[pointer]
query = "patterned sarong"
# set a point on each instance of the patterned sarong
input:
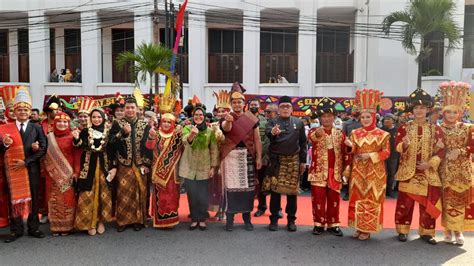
(283, 175)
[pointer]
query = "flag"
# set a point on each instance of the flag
(178, 28)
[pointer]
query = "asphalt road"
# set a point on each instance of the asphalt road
(218, 247)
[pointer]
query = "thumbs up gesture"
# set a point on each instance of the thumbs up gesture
(76, 133)
(152, 134)
(7, 140)
(127, 129)
(194, 132)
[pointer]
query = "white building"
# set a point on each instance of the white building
(323, 47)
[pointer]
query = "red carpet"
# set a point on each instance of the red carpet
(304, 214)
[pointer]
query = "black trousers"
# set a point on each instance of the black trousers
(262, 198)
(275, 207)
(391, 166)
(198, 198)
(16, 223)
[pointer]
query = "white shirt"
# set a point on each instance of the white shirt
(25, 124)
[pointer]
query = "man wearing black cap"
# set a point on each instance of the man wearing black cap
(287, 155)
(328, 164)
(421, 148)
(131, 162)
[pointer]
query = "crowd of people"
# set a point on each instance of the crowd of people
(124, 165)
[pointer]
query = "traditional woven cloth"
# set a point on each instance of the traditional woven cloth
(283, 175)
(235, 170)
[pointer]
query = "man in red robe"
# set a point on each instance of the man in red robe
(326, 171)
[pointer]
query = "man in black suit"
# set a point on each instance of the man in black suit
(34, 144)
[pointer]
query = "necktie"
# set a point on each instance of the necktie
(22, 131)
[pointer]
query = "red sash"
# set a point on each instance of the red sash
(241, 127)
(18, 180)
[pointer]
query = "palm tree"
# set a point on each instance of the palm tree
(421, 18)
(147, 59)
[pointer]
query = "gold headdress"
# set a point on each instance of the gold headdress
(22, 98)
(454, 95)
(86, 104)
(223, 99)
(368, 100)
(166, 106)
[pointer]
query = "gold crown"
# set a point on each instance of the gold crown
(86, 104)
(454, 95)
(62, 116)
(166, 103)
(223, 99)
(368, 100)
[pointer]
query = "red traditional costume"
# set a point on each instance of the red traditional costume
(167, 149)
(328, 163)
(415, 185)
(61, 166)
(368, 178)
(456, 171)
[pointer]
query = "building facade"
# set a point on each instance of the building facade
(321, 47)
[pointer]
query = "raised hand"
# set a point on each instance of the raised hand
(7, 140)
(152, 134)
(348, 143)
(127, 129)
(76, 133)
(229, 118)
(406, 141)
(276, 130)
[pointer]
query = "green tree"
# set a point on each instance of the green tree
(147, 59)
(421, 18)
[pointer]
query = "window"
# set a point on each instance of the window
(334, 60)
(182, 61)
(23, 56)
(122, 40)
(72, 49)
(468, 53)
(225, 55)
(4, 58)
(278, 54)
(433, 64)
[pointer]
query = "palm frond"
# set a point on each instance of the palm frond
(398, 16)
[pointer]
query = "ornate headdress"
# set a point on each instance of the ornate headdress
(62, 116)
(166, 106)
(419, 97)
(137, 94)
(368, 100)
(223, 99)
(454, 95)
(86, 104)
(326, 105)
(22, 98)
(53, 103)
(237, 92)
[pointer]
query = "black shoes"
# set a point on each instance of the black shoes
(317, 230)
(193, 227)
(137, 227)
(249, 226)
(259, 213)
(402, 237)
(273, 227)
(121, 228)
(335, 231)
(36, 234)
(429, 239)
(229, 226)
(12, 237)
(291, 227)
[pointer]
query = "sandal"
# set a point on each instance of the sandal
(356, 234)
(448, 236)
(92, 232)
(364, 236)
(100, 228)
(459, 238)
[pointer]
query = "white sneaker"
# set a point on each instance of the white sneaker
(459, 238)
(448, 237)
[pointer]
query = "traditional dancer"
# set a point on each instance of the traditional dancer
(328, 165)
(167, 148)
(456, 171)
(421, 148)
(94, 204)
(368, 180)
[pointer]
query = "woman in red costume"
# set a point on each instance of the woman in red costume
(61, 170)
(370, 148)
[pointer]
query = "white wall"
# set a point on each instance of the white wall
(387, 66)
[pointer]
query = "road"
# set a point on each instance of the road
(218, 247)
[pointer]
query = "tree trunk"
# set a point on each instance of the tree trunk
(421, 58)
